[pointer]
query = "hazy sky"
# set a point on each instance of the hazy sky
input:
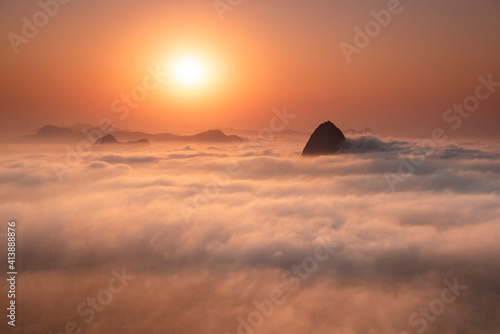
(264, 54)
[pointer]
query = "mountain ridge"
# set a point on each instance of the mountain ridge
(53, 133)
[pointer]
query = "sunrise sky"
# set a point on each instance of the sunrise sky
(263, 54)
(138, 233)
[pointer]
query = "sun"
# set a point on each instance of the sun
(189, 71)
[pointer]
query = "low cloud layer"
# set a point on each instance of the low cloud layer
(210, 233)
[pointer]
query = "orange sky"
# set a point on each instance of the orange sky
(264, 54)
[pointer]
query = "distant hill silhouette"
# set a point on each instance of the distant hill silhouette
(140, 141)
(326, 139)
(107, 139)
(207, 136)
(365, 131)
(55, 133)
(63, 135)
(215, 136)
(111, 140)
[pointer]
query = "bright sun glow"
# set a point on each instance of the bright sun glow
(189, 71)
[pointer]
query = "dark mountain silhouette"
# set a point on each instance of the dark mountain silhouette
(132, 135)
(326, 139)
(56, 133)
(110, 139)
(365, 131)
(214, 136)
(63, 135)
(107, 139)
(210, 136)
(140, 141)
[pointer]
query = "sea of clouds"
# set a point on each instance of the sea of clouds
(209, 238)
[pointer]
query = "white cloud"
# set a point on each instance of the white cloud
(121, 209)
